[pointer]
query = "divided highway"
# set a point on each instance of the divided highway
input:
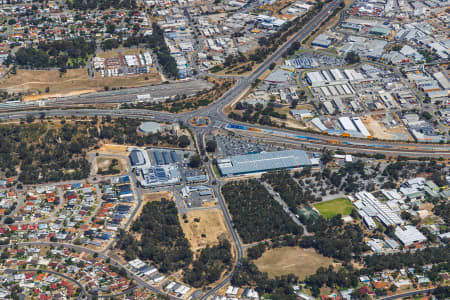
(215, 111)
(218, 120)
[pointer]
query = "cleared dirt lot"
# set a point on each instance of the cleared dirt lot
(103, 163)
(379, 131)
(113, 149)
(295, 260)
(206, 231)
(75, 81)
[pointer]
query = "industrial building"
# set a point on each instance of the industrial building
(265, 161)
(165, 157)
(137, 158)
(360, 126)
(347, 124)
(322, 40)
(334, 79)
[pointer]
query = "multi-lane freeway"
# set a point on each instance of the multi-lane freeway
(268, 134)
(219, 119)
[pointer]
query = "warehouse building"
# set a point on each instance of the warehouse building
(360, 126)
(263, 162)
(322, 40)
(347, 124)
(137, 158)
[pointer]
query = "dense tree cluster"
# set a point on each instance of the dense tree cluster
(352, 58)
(208, 268)
(343, 278)
(256, 251)
(443, 210)
(43, 154)
(347, 177)
(61, 54)
(289, 190)
(256, 113)
(280, 288)
(379, 262)
(334, 239)
(47, 153)
(404, 169)
(158, 44)
(123, 131)
(162, 239)
(256, 215)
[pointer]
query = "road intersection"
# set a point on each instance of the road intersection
(219, 120)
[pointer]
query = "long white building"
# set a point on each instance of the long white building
(373, 208)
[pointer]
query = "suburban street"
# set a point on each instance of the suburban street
(218, 119)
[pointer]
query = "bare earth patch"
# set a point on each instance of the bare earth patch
(379, 131)
(113, 149)
(73, 82)
(103, 163)
(295, 260)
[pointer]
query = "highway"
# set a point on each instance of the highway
(265, 133)
(220, 120)
(59, 107)
(157, 93)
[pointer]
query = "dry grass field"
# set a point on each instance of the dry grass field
(150, 197)
(295, 260)
(206, 231)
(75, 81)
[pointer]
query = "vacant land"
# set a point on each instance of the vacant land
(123, 51)
(378, 130)
(74, 81)
(285, 260)
(334, 207)
(105, 165)
(204, 227)
(157, 196)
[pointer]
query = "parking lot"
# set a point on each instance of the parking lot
(230, 146)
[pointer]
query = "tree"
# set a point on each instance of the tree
(195, 161)
(9, 220)
(30, 118)
(211, 146)
(352, 58)
(184, 141)
(12, 22)
(272, 66)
